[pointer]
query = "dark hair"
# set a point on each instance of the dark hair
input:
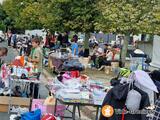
(36, 40)
(4, 50)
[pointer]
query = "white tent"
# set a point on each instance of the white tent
(156, 52)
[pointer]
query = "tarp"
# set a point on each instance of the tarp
(156, 52)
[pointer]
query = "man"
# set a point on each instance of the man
(36, 59)
(65, 41)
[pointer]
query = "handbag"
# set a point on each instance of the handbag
(34, 115)
(133, 98)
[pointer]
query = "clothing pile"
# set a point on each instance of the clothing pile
(33, 115)
(132, 95)
(72, 65)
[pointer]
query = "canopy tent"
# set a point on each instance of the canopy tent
(156, 52)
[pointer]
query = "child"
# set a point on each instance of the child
(36, 58)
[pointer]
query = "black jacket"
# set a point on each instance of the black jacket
(116, 97)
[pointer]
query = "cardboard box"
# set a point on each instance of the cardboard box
(17, 101)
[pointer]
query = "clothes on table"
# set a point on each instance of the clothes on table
(156, 112)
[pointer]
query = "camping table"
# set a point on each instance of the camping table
(56, 61)
(76, 103)
(14, 81)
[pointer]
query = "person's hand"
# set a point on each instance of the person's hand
(29, 60)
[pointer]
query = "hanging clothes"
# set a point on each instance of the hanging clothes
(116, 98)
(145, 83)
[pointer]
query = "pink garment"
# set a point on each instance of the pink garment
(4, 72)
(38, 104)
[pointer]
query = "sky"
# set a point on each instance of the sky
(1, 1)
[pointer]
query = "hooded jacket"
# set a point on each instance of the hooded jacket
(116, 98)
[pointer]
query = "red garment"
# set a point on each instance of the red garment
(75, 74)
(113, 56)
(48, 117)
(53, 39)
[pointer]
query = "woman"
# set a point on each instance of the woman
(74, 47)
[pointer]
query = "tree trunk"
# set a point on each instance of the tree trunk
(86, 45)
(124, 50)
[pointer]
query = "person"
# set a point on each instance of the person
(14, 37)
(65, 40)
(49, 43)
(75, 37)
(74, 47)
(3, 52)
(36, 58)
(9, 38)
(52, 41)
(59, 38)
(96, 54)
(107, 58)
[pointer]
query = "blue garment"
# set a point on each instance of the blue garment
(74, 46)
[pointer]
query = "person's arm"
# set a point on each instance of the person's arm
(37, 58)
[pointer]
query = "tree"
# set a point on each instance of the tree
(74, 15)
(30, 17)
(127, 17)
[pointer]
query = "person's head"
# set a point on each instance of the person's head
(65, 33)
(35, 42)
(109, 48)
(3, 51)
(106, 45)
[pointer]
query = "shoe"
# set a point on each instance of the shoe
(101, 68)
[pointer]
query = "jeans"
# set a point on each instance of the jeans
(36, 87)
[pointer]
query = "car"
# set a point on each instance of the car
(2, 36)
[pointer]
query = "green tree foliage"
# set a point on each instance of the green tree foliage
(30, 17)
(129, 17)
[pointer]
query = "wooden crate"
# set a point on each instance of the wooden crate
(17, 101)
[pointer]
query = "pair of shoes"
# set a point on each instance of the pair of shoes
(101, 68)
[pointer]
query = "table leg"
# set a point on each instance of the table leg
(79, 111)
(74, 112)
(55, 108)
(97, 112)
(33, 91)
